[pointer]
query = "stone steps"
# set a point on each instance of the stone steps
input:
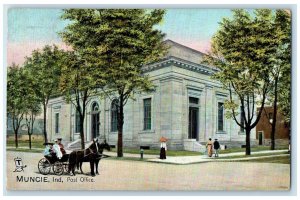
(193, 145)
(75, 145)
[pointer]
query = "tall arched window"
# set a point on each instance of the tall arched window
(220, 116)
(95, 114)
(114, 115)
(77, 122)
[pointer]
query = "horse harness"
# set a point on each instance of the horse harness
(84, 153)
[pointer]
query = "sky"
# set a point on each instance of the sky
(33, 28)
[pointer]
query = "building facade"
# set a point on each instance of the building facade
(187, 108)
(264, 128)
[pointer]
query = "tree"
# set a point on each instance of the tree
(44, 67)
(283, 22)
(119, 42)
(243, 50)
(280, 72)
(15, 97)
(77, 85)
(32, 102)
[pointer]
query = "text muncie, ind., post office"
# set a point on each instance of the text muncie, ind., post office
(45, 179)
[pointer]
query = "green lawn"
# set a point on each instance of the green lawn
(22, 143)
(26, 150)
(253, 149)
(252, 155)
(191, 153)
(39, 144)
(126, 158)
(157, 151)
(280, 160)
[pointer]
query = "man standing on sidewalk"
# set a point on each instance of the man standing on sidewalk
(216, 147)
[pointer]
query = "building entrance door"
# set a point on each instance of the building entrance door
(193, 123)
(260, 138)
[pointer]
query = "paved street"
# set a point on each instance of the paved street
(135, 175)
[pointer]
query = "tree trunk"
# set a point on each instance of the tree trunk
(82, 132)
(16, 138)
(31, 129)
(16, 128)
(274, 116)
(248, 146)
(120, 127)
(45, 115)
(29, 141)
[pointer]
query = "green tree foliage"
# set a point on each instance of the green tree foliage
(243, 49)
(281, 69)
(44, 66)
(118, 42)
(32, 102)
(16, 91)
(77, 85)
(283, 62)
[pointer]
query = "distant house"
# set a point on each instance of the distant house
(22, 133)
(264, 128)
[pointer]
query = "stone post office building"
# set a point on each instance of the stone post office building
(187, 108)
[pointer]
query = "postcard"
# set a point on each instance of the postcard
(148, 99)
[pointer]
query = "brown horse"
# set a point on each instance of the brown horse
(88, 155)
(101, 147)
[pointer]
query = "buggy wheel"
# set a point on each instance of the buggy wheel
(66, 166)
(44, 166)
(58, 168)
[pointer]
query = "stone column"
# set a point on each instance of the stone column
(209, 112)
(166, 100)
(177, 112)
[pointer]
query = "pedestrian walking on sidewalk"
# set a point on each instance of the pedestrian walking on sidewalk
(163, 148)
(209, 147)
(216, 147)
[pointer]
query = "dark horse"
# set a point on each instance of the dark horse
(91, 154)
(101, 147)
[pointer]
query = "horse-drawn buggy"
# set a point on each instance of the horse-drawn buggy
(58, 166)
(68, 162)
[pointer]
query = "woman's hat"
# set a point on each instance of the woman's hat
(163, 139)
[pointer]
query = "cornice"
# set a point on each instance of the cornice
(178, 62)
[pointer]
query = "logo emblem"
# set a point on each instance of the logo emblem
(19, 165)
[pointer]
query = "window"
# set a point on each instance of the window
(193, 100)
(220, 116)
(95, 107)
(147, 114)
(56, 122)
(242, 120)
(270, 115)
(77, 122)
(95, 120)
(114, 115)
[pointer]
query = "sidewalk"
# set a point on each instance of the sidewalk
(109, 153)
(204, 158)
(182, 160)
(201, 158)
